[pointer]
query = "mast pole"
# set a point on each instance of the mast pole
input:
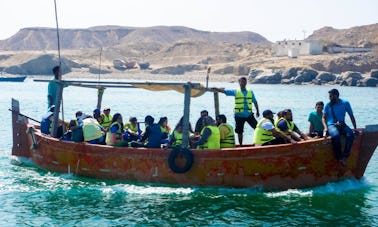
(59, 94)
(185, 131)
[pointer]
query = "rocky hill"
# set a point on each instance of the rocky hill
(356, 36)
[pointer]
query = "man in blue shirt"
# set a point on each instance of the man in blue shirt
(244, 98)
(334, 123)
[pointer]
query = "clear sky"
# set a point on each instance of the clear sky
(273, 19)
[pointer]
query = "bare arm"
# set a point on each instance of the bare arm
(218, 89)
(353, 120)
(257, 109)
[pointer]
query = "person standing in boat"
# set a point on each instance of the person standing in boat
(266, 133)
(315, 118)
(227, 136)
(334, 124)
(53, 85)
(210, 135)
(286, 125)
(244, 100)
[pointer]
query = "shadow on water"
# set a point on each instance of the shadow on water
(67, 199)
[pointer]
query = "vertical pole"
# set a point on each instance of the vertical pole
(185, 132)
(216, 103)
(100, 92)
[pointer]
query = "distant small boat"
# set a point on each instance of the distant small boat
(12, 78)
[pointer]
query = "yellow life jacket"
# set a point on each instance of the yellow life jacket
(290, 126)
(178, 139)
(213, 142)
(119, 132)
(106, 120)
(240, 99)
(164, 129)
(262, 135)
(91, 129)
(229, 139)
(131, 127)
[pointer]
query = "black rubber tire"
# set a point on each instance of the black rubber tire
(188, 157)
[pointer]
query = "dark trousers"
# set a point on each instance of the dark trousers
(335, 134)
(239, 121)
(275, 141)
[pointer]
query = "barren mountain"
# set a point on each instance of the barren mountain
(356, 36)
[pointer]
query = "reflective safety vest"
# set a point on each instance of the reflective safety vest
(289, 124)
(178, 138)
(91, 129)
(229, 139)
(119, 132)
(213, 142)
(240, 99)
(262, 135)
(131, 127)
(106, 120)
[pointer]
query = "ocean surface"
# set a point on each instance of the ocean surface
(33, 197)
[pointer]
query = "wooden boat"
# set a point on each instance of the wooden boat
(278, 167)
(12, 78)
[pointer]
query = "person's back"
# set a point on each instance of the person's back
(154, 138)
(213, 141)
(46, 123)
(91, 129)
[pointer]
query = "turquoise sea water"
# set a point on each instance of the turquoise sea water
(32, 197)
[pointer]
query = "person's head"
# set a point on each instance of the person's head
(279, 114)
(117, 117)
(206, 121)
(52, 108)
(333, 95)
(96, 113)
(268, 114)
(133, 120)
(78, 114)
(106, 111)
(242, 82)
(319, 106)
(56, 71)
(221, 118)
(149, 120)
(204, 113)
(287, 114)
(163, 121)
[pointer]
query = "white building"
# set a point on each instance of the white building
(295, 48)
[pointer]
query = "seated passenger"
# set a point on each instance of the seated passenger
(199, 124)
(97, 115)
(152, 134)
(74, 127)
(106, 118)
(210, 135)
(286, 125)
(315, 118)
(114, 135)
(175, 139)
(132, 129)
(93, 132)
(266, 134)
(47, 127)
(227, 136)
(165, 129)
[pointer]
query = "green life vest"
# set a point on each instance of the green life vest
(262, 135)
(213, 142)
(119, 132)
(106, 120)
(131, 127)
(240, 99)
(289, 124)
(178, 139)
(229, 139)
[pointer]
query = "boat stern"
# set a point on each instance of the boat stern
(21, 141)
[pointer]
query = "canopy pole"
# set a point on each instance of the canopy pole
(100, 92)
(57, 108)
(216, 103)
(185, 136)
